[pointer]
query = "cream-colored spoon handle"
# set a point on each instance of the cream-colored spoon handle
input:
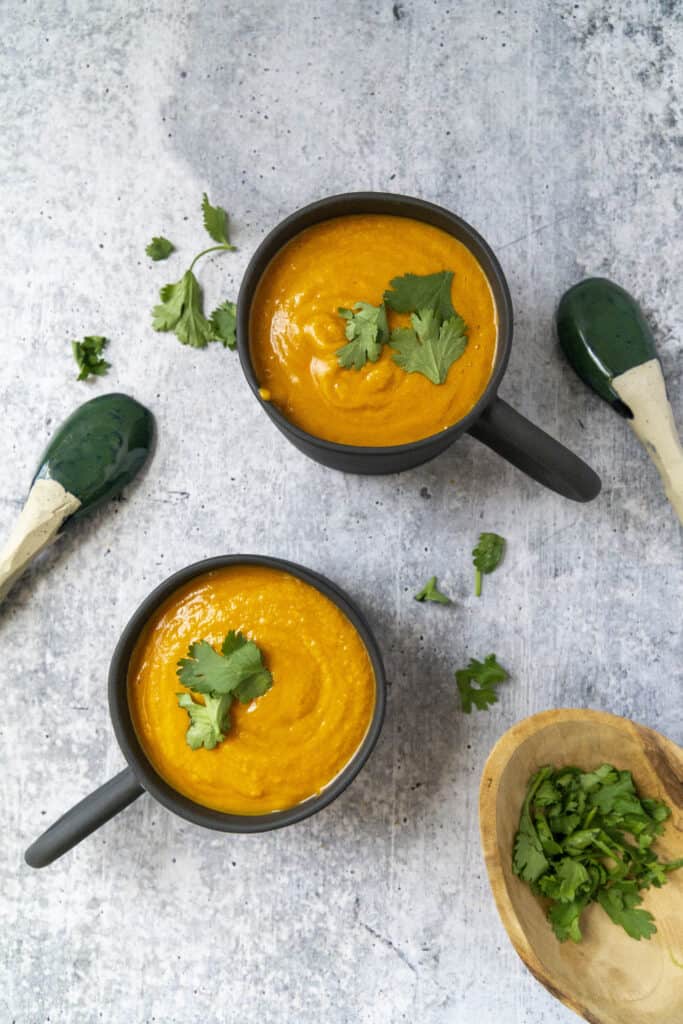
(643, 390)
(46, 508)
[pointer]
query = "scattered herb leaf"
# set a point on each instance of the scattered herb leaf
(486, 557)
(430, 592)
(216, 222)
(223, 323)
(488, 675)
(237, 672)
(574, 847)
(206, 671)
(182, 305)
(159, 248)
(367, 331)
(426, 291)
(181, 310)
(429, 347)
(88, 356)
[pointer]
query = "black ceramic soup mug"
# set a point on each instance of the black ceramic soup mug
(140, 776)
(491, 420)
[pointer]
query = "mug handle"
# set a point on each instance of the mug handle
(540, 456)
(84, 818)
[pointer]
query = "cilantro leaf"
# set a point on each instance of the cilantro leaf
(619, 796)
(208, 721)
(422, 291)
(565, 917)
(87, 354)
(207, 671)
(570, 876)
(486, 557)
(216, 222)
(223, 323)
(591, 780)
(488, 674)
(159, 248)
(367, 331)
(181, 311)
(620, 901)
(430, 346)
(430, 592)
(246, 663)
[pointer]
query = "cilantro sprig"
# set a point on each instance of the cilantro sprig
(367, 331)
(223, 323)
(438, 335)
(88, 356)
(430, 592)
(159, 248)
(181, 309)
(486, 557)
(586, 837)
(487, 675)
(430, 346)
(236, 673)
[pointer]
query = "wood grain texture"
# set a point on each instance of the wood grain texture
(609, 978)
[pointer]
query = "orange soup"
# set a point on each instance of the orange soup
(288, 744)
(296, 331)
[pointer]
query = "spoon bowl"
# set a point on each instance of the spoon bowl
(608, 978)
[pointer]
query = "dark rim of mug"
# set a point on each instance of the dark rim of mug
(347, 204)
(132, 749)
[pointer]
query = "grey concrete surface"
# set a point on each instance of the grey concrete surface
(556, 129)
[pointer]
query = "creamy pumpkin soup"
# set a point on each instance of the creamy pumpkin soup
(281, 747)
(296, 331)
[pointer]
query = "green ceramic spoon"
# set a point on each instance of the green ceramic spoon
(609, 343)
(95, 453)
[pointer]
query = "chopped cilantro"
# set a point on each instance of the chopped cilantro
(88, 356)
(430, 592)
(574, 847)
(159, 248)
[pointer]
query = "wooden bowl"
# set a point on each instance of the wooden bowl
(609, 978)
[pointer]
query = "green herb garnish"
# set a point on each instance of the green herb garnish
(209, 722)
(159, 248)
(430, 592)
(223, 322)
(586, 837)
(487, 674)
(237, 672)
(367, 331)
(427, 291)
(430, 346)
(182, 306)
(88, 356)
(216, 223)
(486, 557)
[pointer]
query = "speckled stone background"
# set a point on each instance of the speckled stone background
(557, 130)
